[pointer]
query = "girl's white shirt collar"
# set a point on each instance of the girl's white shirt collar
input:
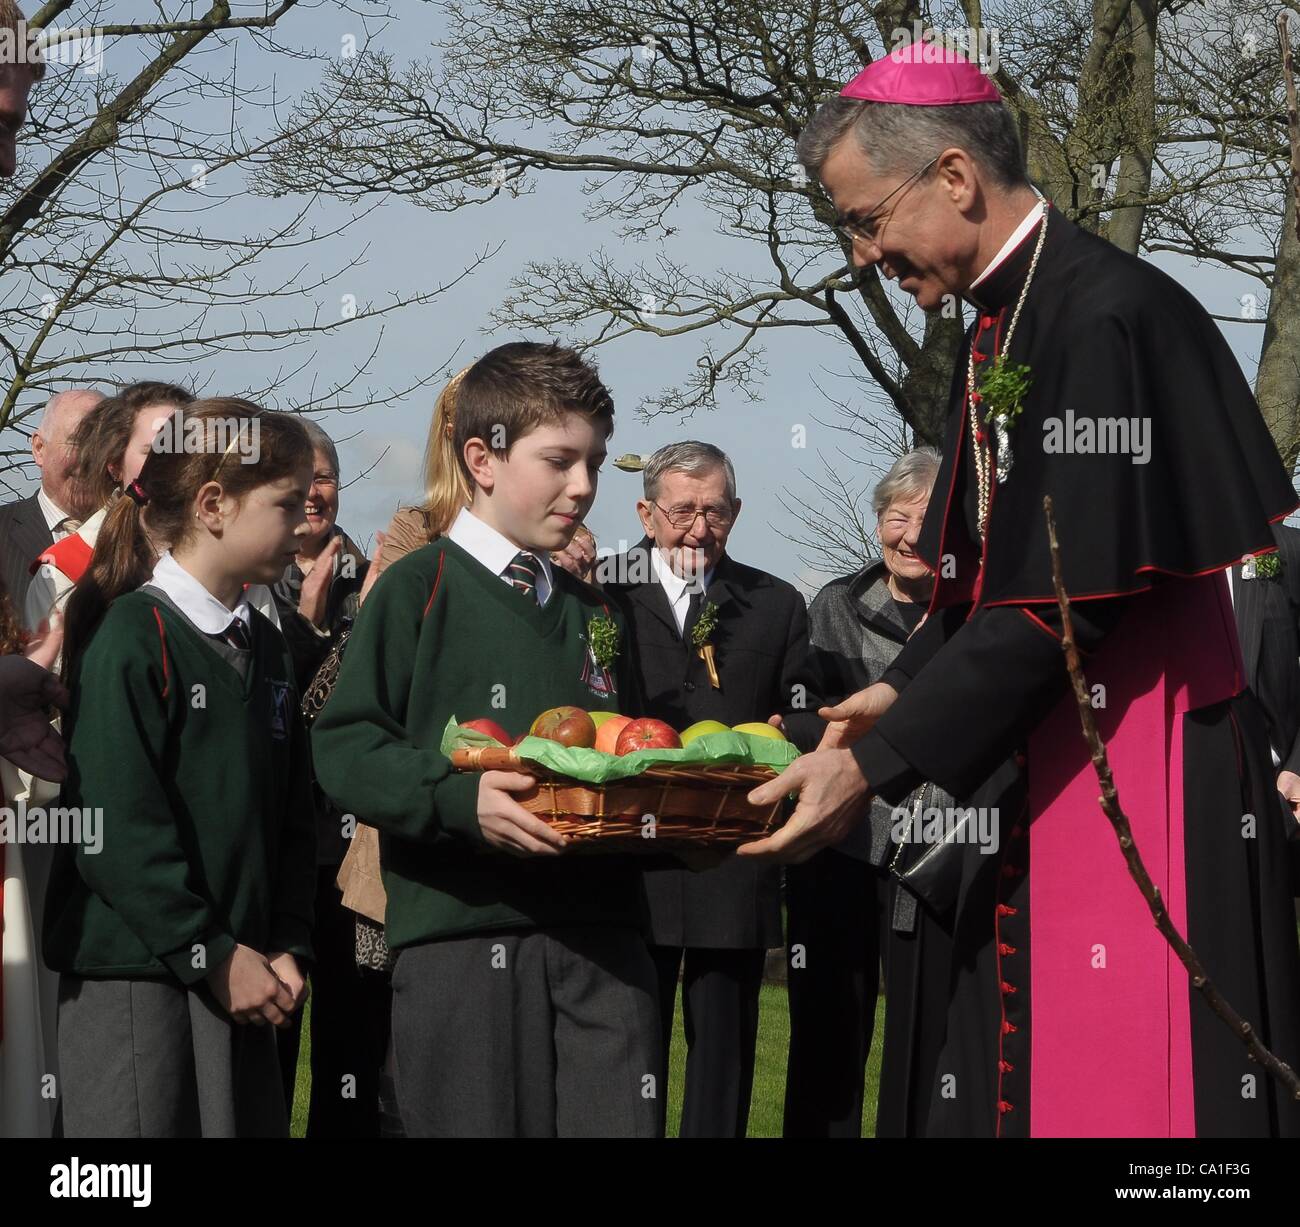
(194, 600)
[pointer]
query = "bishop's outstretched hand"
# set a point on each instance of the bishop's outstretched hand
(832, 799)
(855, 717)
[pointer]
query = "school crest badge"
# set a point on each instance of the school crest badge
(597, 679)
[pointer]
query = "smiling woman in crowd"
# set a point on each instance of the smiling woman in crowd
(841, 905)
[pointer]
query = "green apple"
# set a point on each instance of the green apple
(599, 717)
(700, 727)
(759, 729)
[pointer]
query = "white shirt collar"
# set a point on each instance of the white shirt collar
(1017, 237)
(53, 513)
(484, 544)
(194, 600)
(675, 587)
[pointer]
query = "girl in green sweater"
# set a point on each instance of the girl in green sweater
(181, 917)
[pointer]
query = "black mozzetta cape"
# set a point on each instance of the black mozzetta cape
(1119, 353)
(1106, 336)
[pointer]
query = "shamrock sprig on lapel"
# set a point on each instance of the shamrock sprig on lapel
(701, 640)
(603, 636)
(1268, 566)
(1002, 388)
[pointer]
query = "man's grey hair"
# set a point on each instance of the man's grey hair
(898, 140)
(690, 456)
(321, 442)
(910, 477)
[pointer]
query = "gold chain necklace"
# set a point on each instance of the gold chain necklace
(983, 453)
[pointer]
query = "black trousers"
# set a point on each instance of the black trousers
(720, 1012)
(834, 915)
(351, 1013)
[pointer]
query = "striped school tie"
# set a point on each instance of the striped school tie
(236, 634)
(522, 573)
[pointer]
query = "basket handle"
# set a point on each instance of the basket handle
(489, 758)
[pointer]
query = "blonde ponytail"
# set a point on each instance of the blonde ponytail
(445, 489)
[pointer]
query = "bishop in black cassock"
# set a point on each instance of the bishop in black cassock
(1066, 1013)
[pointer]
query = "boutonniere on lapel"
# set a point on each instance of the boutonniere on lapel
(702, 640)
(1262, 566)
(1002, 387)
(603, 641)
(603, 638)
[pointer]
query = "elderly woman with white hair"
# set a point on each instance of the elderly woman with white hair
(843, 913)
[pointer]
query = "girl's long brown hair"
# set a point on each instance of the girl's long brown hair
(100, 439)
(133, 536)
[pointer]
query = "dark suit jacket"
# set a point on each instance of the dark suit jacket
(1268, 624)
(24, 536)
(766, 667)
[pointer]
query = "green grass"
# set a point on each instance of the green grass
(769, 1069)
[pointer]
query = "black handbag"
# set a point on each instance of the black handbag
(932, 871)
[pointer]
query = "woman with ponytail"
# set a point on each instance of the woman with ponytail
(179, 918)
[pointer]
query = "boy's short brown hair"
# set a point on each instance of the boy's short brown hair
(14, 22)
(515, 388)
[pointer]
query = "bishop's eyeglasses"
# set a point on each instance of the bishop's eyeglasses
(869, 227)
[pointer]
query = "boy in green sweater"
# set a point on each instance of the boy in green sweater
(524, 996)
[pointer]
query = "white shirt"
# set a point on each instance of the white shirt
(194, 600)
(50, 587)
(1017, 237)
(484, 544)
(53, 513)
(676, 588)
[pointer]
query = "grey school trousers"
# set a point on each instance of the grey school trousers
(550, 1033)
(153, 1059)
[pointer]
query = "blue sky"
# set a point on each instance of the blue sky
(407, 249)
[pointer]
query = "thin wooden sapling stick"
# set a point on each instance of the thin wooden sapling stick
(1110, 805)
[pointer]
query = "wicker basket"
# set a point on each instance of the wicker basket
(704, 806)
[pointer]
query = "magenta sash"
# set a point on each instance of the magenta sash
(1111, 1049)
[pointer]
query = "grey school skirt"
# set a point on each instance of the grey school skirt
(149, 1058)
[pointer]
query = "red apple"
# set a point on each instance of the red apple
(647, 734)
(491, 728)
(607, 733)
(570, 726)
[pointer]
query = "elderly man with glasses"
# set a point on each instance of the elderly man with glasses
(719, 922)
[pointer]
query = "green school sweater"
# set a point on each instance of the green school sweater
(208, 829)
(441, 635)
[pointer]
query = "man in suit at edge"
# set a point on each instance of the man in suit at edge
(29, 526)
(720, 921)
(1266, 602)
